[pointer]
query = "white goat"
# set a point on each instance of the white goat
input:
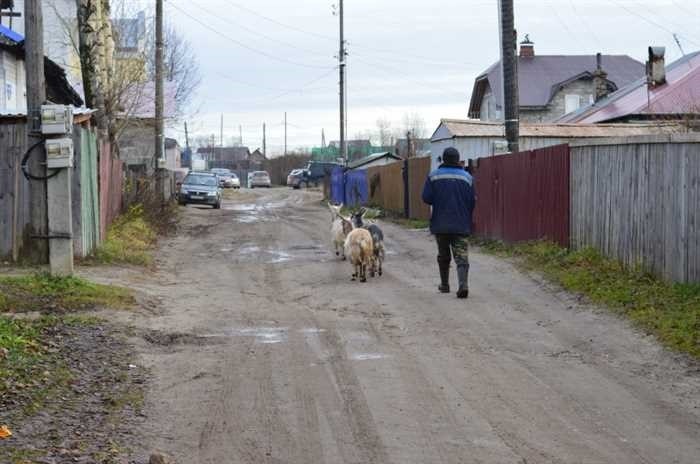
(358, 246)
(340, 228)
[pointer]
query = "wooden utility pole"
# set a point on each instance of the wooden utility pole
(264, 141)
(187, 137)
(221, 131)
(509, 73)
(160, 141)
(57, 212)
(36, 95)
(341, 67)
(240, 134)
(285, 132)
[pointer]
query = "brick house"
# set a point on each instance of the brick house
(551, 86)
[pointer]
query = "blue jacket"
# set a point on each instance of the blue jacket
(450, 191)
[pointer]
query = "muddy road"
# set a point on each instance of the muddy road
(263, 351)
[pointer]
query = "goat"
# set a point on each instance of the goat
(340, 228)
(377, 241)
(358, 246)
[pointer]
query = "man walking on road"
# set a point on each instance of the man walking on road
(449, 190)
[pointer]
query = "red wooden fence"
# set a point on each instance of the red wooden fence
(111, 184)
(524, 196)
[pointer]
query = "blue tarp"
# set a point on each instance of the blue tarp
(338, 185)
(356, 191)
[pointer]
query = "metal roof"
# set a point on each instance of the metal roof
(680, 95)
(371, 158)
(540, 77)
(476, 128)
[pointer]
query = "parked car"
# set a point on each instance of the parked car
(227, 178)
(292, 177)
(312, 174)
(200, 188)
(259, 179)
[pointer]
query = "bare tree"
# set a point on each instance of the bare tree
(384, 135)
(415, 124)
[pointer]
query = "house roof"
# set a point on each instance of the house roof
(680, 95)
(225, 153)
(541, 76)
(139, 101)
(371, 158)
(475, 128)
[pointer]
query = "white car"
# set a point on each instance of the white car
(259, 179)
(227, 178)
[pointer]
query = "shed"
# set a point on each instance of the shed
(475, 139)
(375, 159)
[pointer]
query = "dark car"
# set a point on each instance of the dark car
(313, 174)
(200, 188)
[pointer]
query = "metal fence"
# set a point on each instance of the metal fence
(639, 201)
(523, 196)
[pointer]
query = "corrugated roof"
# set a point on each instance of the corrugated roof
(680, 95)
(476, 128)
(371, 158)
(540, 76)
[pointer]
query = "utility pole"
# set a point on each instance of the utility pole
(323, 138)
(36, 96)
(509, 73)
(159, 83)
(221, 131)
(285, 132)
(240, 134)
(341, 67)
(187, 137)
(264, 141)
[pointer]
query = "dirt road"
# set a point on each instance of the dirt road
(263, 351)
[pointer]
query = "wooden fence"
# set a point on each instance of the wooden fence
(639, 202)
(16, 196)
(386, 188)
(23, 202)
(418, 170)
(523, 196)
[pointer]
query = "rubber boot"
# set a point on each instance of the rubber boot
(444, 277)
(462, 277)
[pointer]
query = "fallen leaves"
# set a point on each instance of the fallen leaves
(5, 432)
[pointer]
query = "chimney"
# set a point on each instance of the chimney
(527, 47)
(656, 67)
(600, 79)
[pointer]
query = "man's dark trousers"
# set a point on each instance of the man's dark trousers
(449, 246)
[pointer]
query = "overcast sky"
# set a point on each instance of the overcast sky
(260, 58)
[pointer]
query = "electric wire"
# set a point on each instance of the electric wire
(25, 160)
(243, 45)
(651, 21)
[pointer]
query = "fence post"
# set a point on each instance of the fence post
(406, 191)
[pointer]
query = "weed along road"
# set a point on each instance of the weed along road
(262, 350)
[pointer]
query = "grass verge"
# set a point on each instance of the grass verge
(38, 292)
(130, 240)
(669, 311)
(30, 368)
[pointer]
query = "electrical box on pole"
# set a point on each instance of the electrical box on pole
(59, 153)
(56, 120)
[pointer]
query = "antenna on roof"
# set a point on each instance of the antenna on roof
(678, 42)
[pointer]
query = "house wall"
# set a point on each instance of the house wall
(60, 35)
(14, 85)
(479, 147)
(137, 145)
(583, 88)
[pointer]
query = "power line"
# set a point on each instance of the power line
(274, 21)
(265, 36)
(650, 21)
(243, 45)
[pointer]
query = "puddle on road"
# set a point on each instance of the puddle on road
(250, 252)
(367, 356)
(262, 335)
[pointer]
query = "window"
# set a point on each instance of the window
(571, 103)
